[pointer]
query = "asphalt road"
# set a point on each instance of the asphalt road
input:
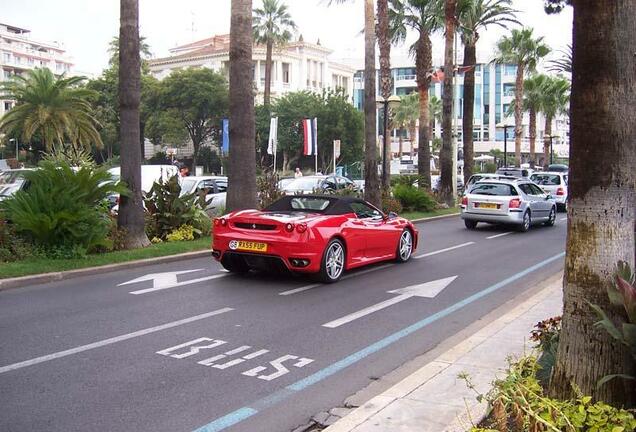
(256, 353)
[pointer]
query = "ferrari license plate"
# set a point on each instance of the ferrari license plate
(248, 246)
(488, 205)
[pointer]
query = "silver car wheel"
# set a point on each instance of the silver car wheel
(406, 245)
(526, 221)
(334, 260)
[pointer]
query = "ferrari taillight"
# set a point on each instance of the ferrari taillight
(220, 221)
(301, 228)
(289, 227)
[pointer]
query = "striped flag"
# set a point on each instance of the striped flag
(310, 129)
(272, 143)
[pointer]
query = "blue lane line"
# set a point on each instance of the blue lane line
(246, 412)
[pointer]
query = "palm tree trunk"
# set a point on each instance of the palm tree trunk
(241, 192)
(400, 140)
(371, 187)
(131, 211)
(546, 141)
(533, 135)
(268, 72)
(412, 140)
(470, 59)
(384, 44)
(423, 63)
(602, 199)
(518, 113)
(446, 153)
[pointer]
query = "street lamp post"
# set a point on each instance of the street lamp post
(551, 151)
(391, 103)
(505, 128)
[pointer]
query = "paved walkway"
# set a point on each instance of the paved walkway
(434, 399)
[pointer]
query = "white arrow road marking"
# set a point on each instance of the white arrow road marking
(349, 276)
(110, 341)
(443, 250)
(428, 290)
(499, 235)
(161, 281)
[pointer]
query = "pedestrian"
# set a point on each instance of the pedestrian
(184, 171)
(298, 173)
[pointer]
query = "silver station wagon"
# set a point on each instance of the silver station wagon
(518, 202)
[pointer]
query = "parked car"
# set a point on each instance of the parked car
(214, 187)
(485, 176)
(558, 168)
(284, 182)
(149, 175)
(12, 181)
(317, 183)
(436, 181)
(515, 172)
(518, 202)
(554, 183)
(320, 235)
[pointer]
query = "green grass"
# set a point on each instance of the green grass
(43, 265)
(419, 215)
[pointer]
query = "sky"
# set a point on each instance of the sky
(85, 27)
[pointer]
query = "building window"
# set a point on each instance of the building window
(286, 73)
(7, 74)
(510, 70)
(6, 57)
(509, 89)
(345, 83)
(18, 59)
(31, 61)
(7, 106)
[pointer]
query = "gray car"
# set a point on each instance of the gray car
(516, 202)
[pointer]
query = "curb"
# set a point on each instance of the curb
(433, 218)
(472, 412)
(41, 278)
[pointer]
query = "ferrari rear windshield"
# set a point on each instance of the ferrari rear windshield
(313, 204)
(309, 203)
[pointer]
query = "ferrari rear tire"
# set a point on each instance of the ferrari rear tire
(235, 264)
(404, 247)
(333, 262)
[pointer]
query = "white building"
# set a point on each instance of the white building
(297, 66)
(19, 53)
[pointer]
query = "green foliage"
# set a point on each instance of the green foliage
(272, 23)
(210, 160)
(267, 189)
(519, 404)
(414, 199)
(63, 208)
(183, 233)
(159, 158)
(390, 204)
(168, 210)
(521, 48)
(12, 246)
(75, 157)
(546, 336)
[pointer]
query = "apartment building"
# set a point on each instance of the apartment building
(19, 53)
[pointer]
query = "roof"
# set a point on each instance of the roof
(337, 205)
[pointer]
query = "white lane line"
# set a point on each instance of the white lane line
(178, 284)
(349, 276)
(564, 218)
(443, 250)
(110, 341)
(499, 235)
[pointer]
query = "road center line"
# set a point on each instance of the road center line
(178, 284)
(564, 218)
(348, 276)
(266, 402)
(110, 341)
(499, 235)
(443, 250)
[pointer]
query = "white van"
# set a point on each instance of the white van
(149, 174)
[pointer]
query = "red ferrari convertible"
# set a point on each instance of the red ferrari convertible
(323, 235)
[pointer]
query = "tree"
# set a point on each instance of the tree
(435, 108)
(198, 99)
(272, 26)
(534, 92)
(525, 51)
(424, 17)
(405, 117)
(446, 154)
(241, 193)
(475, 15)
(131, 210)
(555, 100)
(602, 198)
(113, 51)
(386, 86)
(56, 109)
(562, 64)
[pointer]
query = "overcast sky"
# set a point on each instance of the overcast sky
(86, 26)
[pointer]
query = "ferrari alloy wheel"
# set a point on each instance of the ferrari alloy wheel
(333, 262)
(405, 246)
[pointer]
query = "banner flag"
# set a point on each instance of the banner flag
(272, 143)
(225, 147)
(310, 130)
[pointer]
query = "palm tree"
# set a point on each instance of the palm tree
(55, 108)
(113, 50)
(272, 26)
(475, 15)
(405, 117)
(435, 109)
(564, 63)
(425, 17)
(601, 200)
(131, 210)
(386, 85)
(555, 101)
(525, 51)
(534, 89)
(241, 192)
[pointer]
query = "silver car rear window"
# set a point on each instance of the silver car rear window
(546, 179)
(494, 189)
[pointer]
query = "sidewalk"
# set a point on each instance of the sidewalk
(434, 399)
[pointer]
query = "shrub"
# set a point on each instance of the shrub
(546, 336)
(414, 199)
(390, 204)
(168, 210)
(12, 246)
(267, 189)
(183, 233)
(63, 208)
